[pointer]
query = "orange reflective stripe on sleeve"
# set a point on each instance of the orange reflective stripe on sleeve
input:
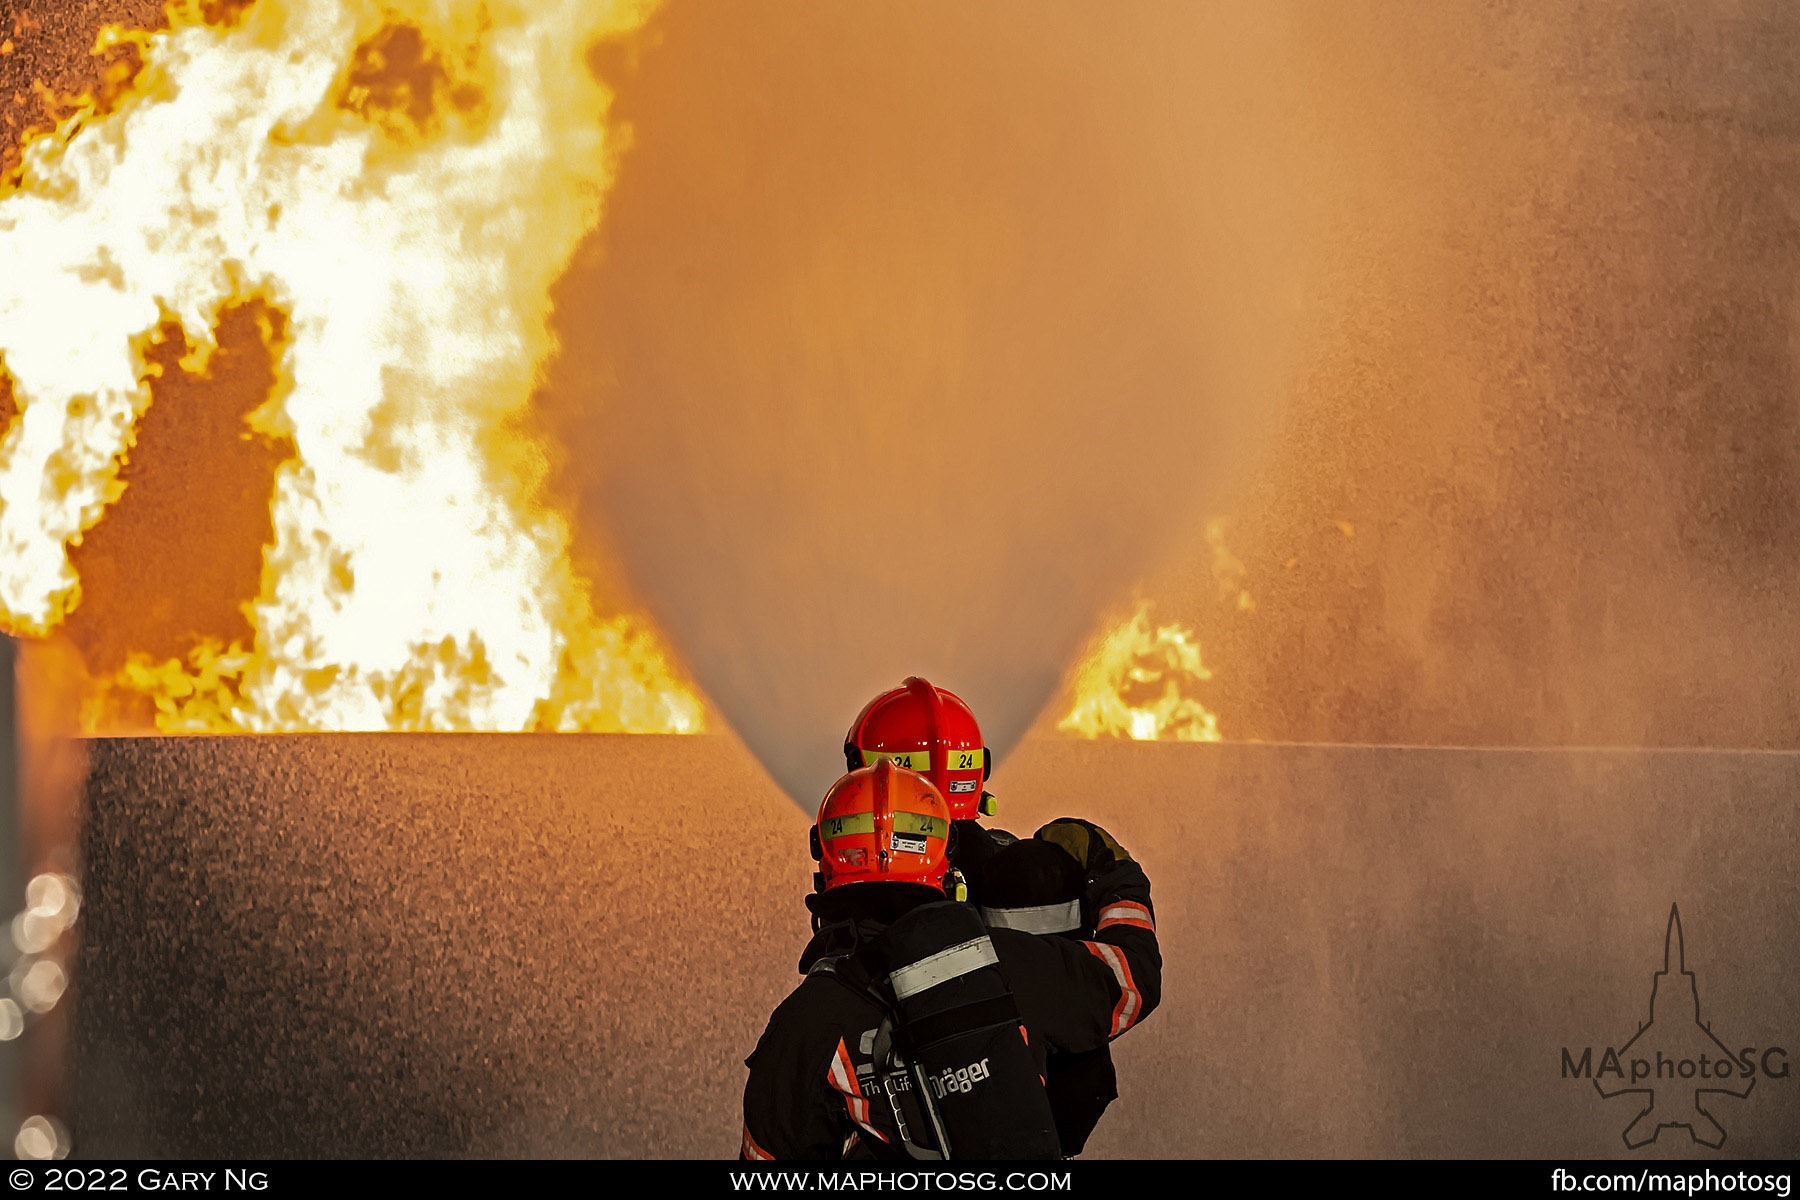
(1125, 912)
(842, 1076)
(842, 1073)
(754, 1152)
(1131, 1005)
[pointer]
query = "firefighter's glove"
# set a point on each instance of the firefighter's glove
(1096, 850)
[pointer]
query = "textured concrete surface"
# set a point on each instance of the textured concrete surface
(429, 945)
(502, 945)
(1381, 951)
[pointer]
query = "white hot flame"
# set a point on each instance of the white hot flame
(416, 578)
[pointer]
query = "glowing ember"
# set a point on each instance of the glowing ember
(1140, 681)
(402, 182)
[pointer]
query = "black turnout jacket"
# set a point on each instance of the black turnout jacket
(803, 1099)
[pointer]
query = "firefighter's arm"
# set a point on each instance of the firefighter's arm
(790, 1111)
(1116, 906)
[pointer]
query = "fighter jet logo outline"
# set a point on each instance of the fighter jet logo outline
(1675, 1025)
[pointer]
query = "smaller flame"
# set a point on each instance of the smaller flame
(1140, 681)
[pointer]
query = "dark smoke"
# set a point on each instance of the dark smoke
(915, 334)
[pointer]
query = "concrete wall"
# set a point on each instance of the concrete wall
(1382, 952)
(389, 945)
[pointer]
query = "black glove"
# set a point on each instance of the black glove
(1108, 871)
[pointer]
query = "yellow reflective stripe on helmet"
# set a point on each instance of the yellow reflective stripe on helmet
(912, 760)
(925, 823)
(920, 760)
(849, 823)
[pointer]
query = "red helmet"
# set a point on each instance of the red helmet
(882, 824)
(931, 731)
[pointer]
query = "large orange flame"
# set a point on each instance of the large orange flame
(402, 181)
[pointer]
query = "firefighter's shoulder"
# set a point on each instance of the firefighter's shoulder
(812, 1018)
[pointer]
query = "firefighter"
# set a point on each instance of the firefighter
(917, 1032)
(932, 730)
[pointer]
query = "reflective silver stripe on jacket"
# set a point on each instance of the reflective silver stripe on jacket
(1043, 918)
(945, 965)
